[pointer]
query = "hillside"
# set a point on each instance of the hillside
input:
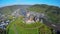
(53, 12)
(9, 9)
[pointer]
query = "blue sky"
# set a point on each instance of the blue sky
(29, 2)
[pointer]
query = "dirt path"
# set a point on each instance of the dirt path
(15, 30)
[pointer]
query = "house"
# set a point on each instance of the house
(4, 23)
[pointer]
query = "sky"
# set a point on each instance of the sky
(29, 2)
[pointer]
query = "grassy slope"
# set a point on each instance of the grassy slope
(20, 30)
(23, 28)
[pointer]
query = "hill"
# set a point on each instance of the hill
(53, 12)
(9, 9)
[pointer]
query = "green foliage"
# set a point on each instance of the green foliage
(39, 8)
(52, 12)
(8, 10)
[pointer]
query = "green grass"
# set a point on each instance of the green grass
(11, 30)
(23, 28)
(26, 31)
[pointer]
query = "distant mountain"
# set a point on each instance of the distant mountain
(9, 9)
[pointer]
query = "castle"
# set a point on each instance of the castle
(31, 18)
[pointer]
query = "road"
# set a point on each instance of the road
(52, 25)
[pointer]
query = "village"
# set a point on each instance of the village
(3, 22)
